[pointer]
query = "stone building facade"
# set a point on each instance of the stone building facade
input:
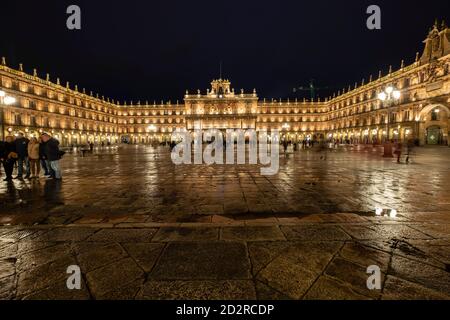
(357, 114)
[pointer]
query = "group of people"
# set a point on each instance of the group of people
(34, 153)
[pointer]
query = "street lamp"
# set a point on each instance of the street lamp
(388, 97)
(6, 100)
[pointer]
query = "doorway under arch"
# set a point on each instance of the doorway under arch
(435, 136)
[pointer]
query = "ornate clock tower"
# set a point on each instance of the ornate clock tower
(220, 108)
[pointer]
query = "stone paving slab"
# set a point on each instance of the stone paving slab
(316, 233)
(199, 290)
(255, 233)
(91, 256)
(203, 261)
(123, 235)
(399, 289)
(186, 234)
(328, 288)
(114, 277)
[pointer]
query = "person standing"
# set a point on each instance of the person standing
(8, 156)
(22, 151)
(285, 146)
(33, 156)
(53, 154)
(43, 159)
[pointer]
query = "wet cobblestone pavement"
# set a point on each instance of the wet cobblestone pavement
(141, 228)
(140, 184)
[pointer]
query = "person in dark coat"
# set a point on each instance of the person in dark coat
(409, 149)
(2, 148)
(52, 153)
(22, 151)
(8, 156)
(43, 159)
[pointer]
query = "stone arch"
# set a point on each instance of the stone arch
(426, 124)
(427, 109)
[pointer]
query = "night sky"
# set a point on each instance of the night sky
(153, 50)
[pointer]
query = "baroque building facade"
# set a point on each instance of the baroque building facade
(357, 114)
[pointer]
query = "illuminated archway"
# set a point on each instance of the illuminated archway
(433, 124)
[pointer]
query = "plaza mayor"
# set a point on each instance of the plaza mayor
(281, 190)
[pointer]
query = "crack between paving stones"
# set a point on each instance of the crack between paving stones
(83, 274)
(251, 270)
(158, 259)
(274, 258)
(145, 274)
(323, 271)
(391, 255)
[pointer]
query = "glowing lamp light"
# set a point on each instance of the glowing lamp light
(2, 93)
(378, 211)
(10, 100)
(382, 96)
(396, 94)
(389, 90)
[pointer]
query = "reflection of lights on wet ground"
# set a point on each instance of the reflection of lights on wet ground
(391, 213)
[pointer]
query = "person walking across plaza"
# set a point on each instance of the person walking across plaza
(22, 151)
(322, 148)
(8, 156)
(33, 157)
(53, 154)
(398, 151)
(409, 149)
